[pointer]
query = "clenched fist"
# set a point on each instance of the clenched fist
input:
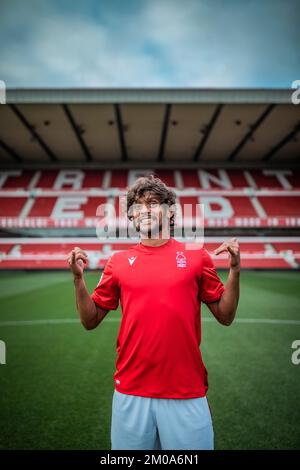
(77, 260)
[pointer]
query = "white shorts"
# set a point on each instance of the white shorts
(141, 423)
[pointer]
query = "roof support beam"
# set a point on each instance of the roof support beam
(250, 133)
(33, 132)
(282, 143)
(10, 151)
(78, 133)
(207, 133)
(124, 153)
(164, 133)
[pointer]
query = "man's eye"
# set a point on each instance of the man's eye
(154, 204)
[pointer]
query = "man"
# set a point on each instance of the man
(159, 400)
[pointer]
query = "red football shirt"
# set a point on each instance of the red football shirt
(160, 290)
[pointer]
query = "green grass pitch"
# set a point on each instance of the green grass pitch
(57, 384)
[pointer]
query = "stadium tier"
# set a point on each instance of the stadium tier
(43, 253)
(69, 199)
(226, 198)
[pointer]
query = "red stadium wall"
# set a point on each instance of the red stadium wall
(271, 252)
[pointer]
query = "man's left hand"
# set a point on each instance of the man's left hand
(233, 248)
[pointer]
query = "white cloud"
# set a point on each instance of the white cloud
(166, 43)
(71, 51)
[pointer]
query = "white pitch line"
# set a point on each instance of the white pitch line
(60, 321)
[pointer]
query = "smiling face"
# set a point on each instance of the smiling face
(151, 207)
(149, 216)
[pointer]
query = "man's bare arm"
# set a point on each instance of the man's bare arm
(225, 309)
(90, 314)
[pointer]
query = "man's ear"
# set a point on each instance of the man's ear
(170, 213)
(171, 210)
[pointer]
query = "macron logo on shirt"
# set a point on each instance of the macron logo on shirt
(132, 260)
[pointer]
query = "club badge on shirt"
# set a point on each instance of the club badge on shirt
(180, 259)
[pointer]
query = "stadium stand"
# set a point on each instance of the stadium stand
(47, 207)
(65, 198)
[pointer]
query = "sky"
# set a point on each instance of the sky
(150, 43)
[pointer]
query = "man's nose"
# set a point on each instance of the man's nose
(144, 208)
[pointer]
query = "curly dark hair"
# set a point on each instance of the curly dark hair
(151, 183)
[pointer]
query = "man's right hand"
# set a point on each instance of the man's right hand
(77, 260)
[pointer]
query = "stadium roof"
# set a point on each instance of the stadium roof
(142, 127)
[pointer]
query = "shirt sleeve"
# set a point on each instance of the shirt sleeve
(211, 287)
(107, 293)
